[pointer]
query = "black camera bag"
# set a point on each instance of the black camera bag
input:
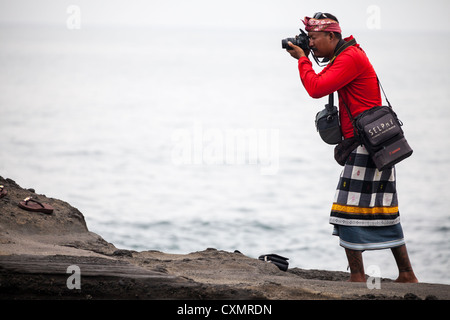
(327, 123)
(379, 130)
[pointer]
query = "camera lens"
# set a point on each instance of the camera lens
(284, 43)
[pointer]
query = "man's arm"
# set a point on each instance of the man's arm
(332, 78)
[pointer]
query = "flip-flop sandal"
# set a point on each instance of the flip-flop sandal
(281, 262)
(3, 191)
(33, 205)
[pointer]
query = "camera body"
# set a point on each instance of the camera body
(301, 40)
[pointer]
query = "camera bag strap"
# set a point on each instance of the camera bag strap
(348, 109)
(341, 46)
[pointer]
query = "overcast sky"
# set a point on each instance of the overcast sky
(428, 15)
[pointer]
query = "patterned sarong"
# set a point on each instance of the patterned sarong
(365, 196)
(365, 210)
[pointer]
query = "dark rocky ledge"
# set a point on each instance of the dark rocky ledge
(36, 250)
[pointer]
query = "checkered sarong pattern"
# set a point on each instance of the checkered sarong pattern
(365, 196)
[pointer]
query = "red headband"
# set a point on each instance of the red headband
(328, 25)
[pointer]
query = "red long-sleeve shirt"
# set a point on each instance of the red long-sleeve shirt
(352, 76)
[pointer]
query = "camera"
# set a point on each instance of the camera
(301, 40)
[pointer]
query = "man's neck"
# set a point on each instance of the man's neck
(338, 45)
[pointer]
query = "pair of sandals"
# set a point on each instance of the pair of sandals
(29, 203)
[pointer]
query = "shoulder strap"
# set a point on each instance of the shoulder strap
(349, 113)
(348, 109)
(342, 45)
(384, 93)
(330, 104)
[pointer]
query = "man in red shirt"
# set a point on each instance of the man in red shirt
(365, 209)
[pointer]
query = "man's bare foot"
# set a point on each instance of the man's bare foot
(405, 271)
(407, 277)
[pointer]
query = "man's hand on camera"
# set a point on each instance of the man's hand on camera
(296, 52)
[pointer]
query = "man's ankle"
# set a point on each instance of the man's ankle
(357, 277)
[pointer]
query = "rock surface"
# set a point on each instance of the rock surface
(36, 250)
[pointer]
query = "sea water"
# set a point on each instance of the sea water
(183, 139)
